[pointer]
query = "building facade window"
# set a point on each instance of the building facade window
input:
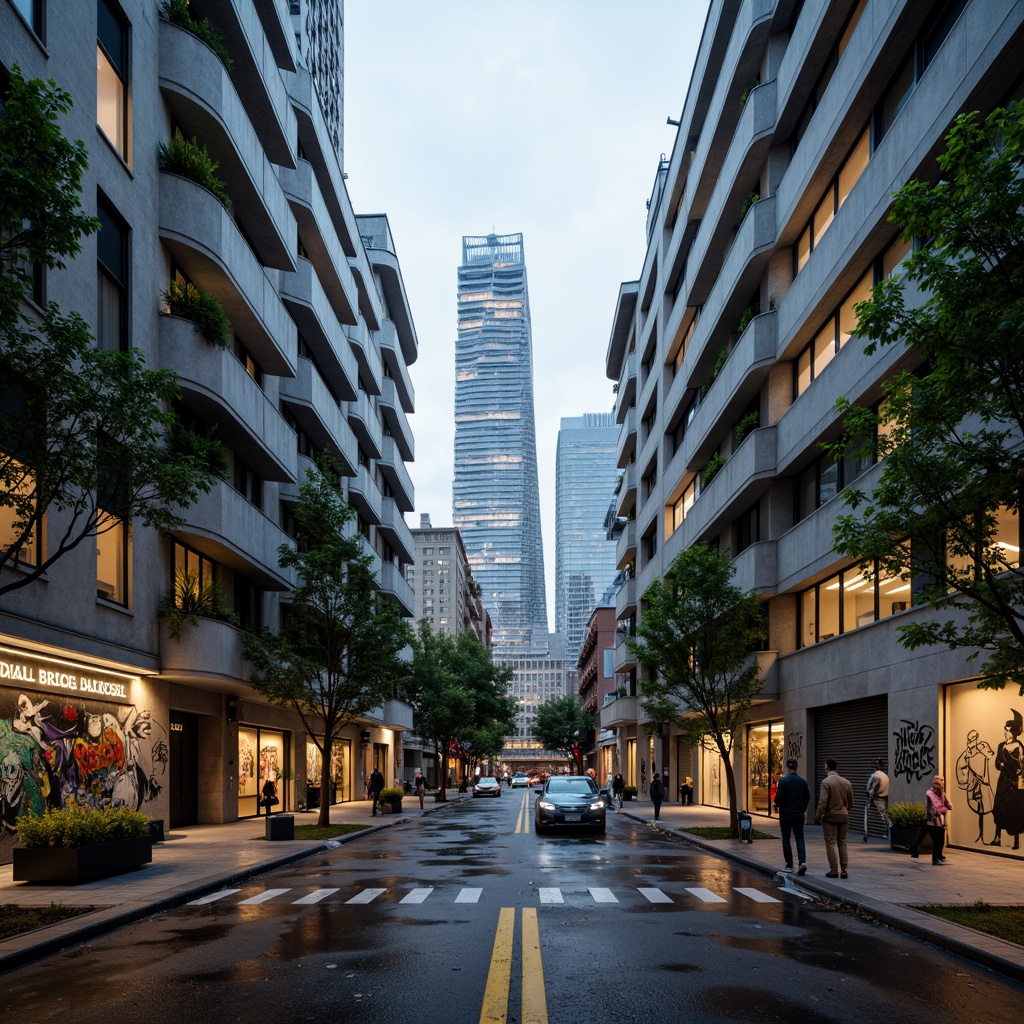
(33, 13)
(113, 551)
(112, 75)
(111, 280)
(29, 553)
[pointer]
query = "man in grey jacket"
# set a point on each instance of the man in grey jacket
(833, 814)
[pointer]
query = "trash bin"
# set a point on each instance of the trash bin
(156, 830)
(746, 825)
(280, 826)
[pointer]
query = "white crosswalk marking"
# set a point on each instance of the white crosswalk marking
(262, 897)
(550, 895)
(316, 896)
(213, 897)
(655, 896)
(757, 896)
(706, 895)
(417, 895)
(603, 896)
(366, 896)
(469, 896)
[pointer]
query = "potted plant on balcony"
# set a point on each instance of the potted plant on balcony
(204, 311)
(74, 844)
(391, 799)
(629, 792)
(905, 824)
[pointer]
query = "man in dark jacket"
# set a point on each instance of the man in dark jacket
(376, 785)
(657, 792)
(791, 799)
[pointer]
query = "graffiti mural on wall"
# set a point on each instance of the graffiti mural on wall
(53, 753)
(914, 752)
(795, 745)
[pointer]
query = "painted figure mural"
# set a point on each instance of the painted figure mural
(972, 777)
(53, 753)
(1008, 808)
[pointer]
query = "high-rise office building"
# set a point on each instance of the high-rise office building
(496, 498)
(584, 556)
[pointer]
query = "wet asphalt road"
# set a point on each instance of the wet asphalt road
(621, 938)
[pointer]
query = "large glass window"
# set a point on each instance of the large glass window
(895, 98)
(262, 758)
(112, 75)
(32, 12)
(112, 552)
(764, 765)
(111, 280)
(12, 528)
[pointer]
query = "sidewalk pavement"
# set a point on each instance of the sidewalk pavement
(883, 883)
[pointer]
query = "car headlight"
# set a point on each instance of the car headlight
(545, 805)
(597, 805)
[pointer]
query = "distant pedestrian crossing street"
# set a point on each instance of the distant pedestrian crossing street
(546, 896)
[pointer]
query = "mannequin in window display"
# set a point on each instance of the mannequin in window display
(1008, 808)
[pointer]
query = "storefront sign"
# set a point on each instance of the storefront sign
(64, 677)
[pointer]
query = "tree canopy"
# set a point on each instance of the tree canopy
(944, 509)
(84, 433)
(459, 695)
(696, 638)
(337, 655)
(562, 725)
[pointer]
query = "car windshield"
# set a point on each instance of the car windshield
(581, 786)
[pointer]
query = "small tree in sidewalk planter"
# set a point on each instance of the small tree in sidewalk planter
(392, 795)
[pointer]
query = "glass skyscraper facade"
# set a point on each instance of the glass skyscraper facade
(585, 558)
(495, 496)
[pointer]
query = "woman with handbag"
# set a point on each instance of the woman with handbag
(269, 795)
(936, 805)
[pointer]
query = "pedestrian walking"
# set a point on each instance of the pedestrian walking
(376, 785)
(833, 814)
(686, 791)
(657, 792)
(936, 804)
(618, 788)
(791, 799)
(878, 796)
(420, 786)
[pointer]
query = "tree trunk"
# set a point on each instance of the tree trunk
(324, 818)
(442, 773)
(730, 781)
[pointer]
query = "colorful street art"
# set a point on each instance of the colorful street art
(53, 753)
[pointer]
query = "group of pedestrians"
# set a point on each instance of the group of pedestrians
(835, 804)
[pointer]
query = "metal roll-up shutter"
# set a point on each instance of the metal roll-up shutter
(854, 733)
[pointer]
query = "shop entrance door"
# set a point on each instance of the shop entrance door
(184, 770)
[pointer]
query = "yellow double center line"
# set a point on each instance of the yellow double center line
(534, 1009)
(523, 821)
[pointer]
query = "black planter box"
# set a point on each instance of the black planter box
(280, 827)
(51, 865)
(901, 836)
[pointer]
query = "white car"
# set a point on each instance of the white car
(487, 786)
(520, 779)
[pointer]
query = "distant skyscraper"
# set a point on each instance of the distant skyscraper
(496, 499)
(584, 556)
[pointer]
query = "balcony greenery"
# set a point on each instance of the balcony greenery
(177, 12)
(189, 603)
(710, 471)
(752, 198)
(184, 299)
(190, 159)
(715, 371)
(749, 422)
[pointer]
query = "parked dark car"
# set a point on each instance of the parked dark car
(487, 786)
(572, 801)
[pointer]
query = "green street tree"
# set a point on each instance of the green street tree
(950, 430)
(337, 655)
(696, 637)
(87, 437)
(458, 695)
(562, 725)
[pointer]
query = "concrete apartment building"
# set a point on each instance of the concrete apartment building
(323, 338)
(767, 222)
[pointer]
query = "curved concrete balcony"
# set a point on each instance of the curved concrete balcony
(232, 531)
(385, 263)
(625, 444)
(733, 488)
(364, 495)
(322, 244)
(203, 239)
(387, 338)
(362, 414)
(623, 660)
(397, 475)
(257, 76)
(393, 714)
(204, 104)
(395, 585)
(216, 388)
(619, 712)
(625, 546)
(290, 491)
(280, 34)
(757, 568)
(366, 349)
(307, 303)
(314, 407)
(396, 531)
(394, 416)
(208, 655)
(625, 600)
(625, 500)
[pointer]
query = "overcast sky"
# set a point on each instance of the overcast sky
(547, 117)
